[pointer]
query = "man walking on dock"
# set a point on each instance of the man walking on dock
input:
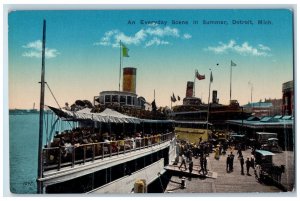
(248, 165)
(242, 164)
(228, 163)
(231, 162)
(191, 166)
(183, 161)
(202, 167)
(205, 164)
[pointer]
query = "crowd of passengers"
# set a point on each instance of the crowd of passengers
(95, 143)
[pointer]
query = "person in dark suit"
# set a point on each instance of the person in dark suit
(228, 163)
(248, 165)
(231, 162)
(242, 164)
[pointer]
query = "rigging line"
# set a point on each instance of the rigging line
(56, 100)
(50, 133)
(53, 95)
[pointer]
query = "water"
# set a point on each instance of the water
(23, 150)
(23, 146)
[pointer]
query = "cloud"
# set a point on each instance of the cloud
(186, 36)
(264, 48)
(152, 35)
(35, 50)
(166, 31)
(243, 49)
(156, 41)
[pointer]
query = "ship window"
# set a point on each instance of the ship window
(107, 98)
(129, 100)
(123, 99)
(115, 98)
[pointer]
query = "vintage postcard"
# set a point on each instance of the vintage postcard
(151, 101)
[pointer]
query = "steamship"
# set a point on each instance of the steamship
(116, 144)
(196, 118)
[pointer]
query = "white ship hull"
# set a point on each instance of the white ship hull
(124, 184)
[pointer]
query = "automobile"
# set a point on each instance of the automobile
(238, 141)
(262, 137)
(272, 146)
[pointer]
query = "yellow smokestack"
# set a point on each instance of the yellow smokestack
(129, 79)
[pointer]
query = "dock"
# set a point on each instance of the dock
(195, 173)
(219, 180)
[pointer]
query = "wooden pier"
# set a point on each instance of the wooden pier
(195, 173)
(219, 180)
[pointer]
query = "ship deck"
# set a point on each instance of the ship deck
(234, 182)
(66, 173)
(195, 173)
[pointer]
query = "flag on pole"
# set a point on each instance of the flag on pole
(173, 98)
(211, 77)
(198, 76)
(125, 50)
(232, 63)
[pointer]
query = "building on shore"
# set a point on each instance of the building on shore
(282, 125)
(288, 98)
(270, 107)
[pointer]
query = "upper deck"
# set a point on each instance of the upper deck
(93, 157)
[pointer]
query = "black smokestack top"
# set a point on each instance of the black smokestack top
(189, 89)
(215, 96)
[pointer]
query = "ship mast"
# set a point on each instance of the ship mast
(210, 81)
(42, 97)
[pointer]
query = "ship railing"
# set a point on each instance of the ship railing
(69, 156)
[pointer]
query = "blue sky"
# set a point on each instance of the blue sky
(82, 57)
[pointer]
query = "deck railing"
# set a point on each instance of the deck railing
(64, 156)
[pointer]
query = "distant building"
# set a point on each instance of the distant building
(288, 98)
(269, 107)
(276, 106)
(259, 109)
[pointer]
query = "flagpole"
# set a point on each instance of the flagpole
(208, 100)
(230, 80)
(194, 84)
(41, 120)
(120, 66)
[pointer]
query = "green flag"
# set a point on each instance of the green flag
(232, 63)
(125, 50)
